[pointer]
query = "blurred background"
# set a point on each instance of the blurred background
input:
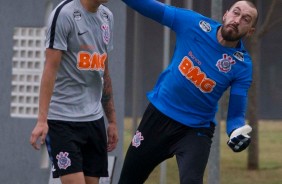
(142, 48)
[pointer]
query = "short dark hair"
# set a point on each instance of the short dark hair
(251, 4)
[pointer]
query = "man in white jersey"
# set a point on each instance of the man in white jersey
(76, 91)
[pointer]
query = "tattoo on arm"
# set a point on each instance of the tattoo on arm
(107, 97)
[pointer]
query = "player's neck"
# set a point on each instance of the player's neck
(224, 42)
(90, 6)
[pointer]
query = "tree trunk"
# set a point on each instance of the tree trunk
(253, 152)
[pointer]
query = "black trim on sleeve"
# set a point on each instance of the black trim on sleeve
(54, 21)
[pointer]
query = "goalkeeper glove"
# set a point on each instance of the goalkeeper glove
(239, 138)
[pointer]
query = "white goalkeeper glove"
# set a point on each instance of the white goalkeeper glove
(239, 138)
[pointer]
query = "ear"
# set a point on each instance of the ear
(251, 32)
(224, 16)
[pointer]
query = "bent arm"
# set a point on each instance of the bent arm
(150, 8)
(236, 112)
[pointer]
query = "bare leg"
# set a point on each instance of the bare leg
(91, 180)
(75, 178)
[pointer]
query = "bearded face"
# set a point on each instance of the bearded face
(231, 32)
(238, 21)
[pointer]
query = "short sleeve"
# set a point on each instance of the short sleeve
(110, 46)
(58, 29)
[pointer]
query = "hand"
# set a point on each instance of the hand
(40, 130)
(239, 138)
(112, 136)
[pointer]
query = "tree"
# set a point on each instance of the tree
(263, 28)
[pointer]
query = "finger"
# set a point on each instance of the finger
(35, 146)
(242, 137)
(111, 145)
(240, 145)
(235, 140)
(110, 142)
(43, 137)
(33, 140)
(239, 138)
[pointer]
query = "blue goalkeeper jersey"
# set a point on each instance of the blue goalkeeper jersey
(201, 69)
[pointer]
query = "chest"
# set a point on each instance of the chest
(90, 33)
(204, 63)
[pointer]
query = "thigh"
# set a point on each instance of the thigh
(192, 154)
(63, 149)
(91, 180)
(94, 152)
(75, 178)
(150, 146)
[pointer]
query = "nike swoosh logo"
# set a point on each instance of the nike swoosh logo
(81, 33)
(53, 169)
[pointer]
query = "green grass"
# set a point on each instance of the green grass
(233, 166)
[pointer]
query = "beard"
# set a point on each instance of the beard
(231, 35)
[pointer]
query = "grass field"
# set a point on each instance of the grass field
(233, 166)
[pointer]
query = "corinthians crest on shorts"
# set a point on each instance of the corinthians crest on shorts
(63, 160)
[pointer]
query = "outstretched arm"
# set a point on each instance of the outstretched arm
(150, 8)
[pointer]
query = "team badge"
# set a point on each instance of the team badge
(105, 16)
(63, 160)
(137, 138)
(77, 15)
(224, 64)
(239, 55)
(205, 26)
(106, 33)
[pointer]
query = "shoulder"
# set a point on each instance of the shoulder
(187, 12)
(243, 55)
(105, 12)
(64, 9)
(192, 17)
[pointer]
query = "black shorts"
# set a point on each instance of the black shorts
(158, 138)
(78, 147)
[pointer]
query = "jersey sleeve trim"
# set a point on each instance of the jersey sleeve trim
(54, 22)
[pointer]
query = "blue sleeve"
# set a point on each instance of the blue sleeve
(175, 18)
(150, 8)
(243, 79)
(236, 112)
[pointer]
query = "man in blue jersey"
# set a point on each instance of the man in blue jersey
(209, 57)
(76, 92)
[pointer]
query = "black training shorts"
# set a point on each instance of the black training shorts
(78, 147)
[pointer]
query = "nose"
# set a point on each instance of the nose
(237, 20)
